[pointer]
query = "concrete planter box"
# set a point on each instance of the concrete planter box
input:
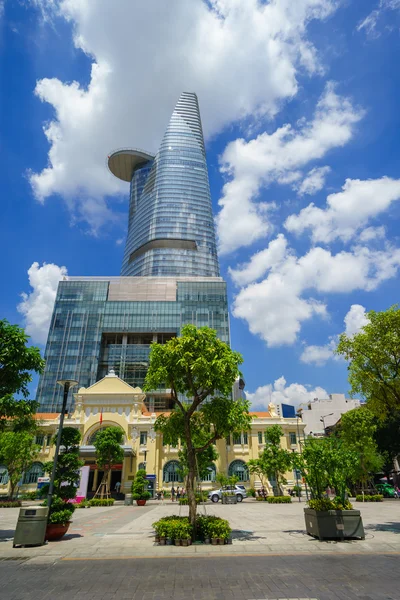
(229, 500)
(334, 524)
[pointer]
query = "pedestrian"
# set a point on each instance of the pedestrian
(117, 486)
(162, 495)
(178, 493)
(173, 494)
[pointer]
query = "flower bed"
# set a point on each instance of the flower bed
(10, 503)
(279, 500)
(177, 530)
(101, 502)
(369, 498)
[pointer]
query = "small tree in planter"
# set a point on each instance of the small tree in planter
(108, 453)
(328, 463)
(273, 461)
(139, 491)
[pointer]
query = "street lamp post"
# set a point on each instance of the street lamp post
(322, 419)
(67, 384)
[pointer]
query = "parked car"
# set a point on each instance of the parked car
(386, 490)
(238, 490)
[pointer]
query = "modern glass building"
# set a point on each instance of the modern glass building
(171, 226)
(170, 274)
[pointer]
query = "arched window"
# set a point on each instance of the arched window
(172, 472)
(211, 473)
(3, 475)
(239, 468)
(142, 466)
(31, 476)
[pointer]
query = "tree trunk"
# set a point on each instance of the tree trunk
(12, 489)
(191, 455)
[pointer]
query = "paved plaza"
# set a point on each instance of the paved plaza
(258, 529)
(319, 577)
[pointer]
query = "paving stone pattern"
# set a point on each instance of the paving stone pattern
(196, 578)
(258, 528)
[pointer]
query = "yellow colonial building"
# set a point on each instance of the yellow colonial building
(112, 402)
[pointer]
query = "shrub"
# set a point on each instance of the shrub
(31, 495)
(210, 526)
(261, 498)
(328, 504)
(10, 503)
(183, 501)
(175, 527)
(369, 498)
(139, 485)
(61, 517)
(83, 504)
(201, 497)
(251, 492)
(279, 499)
(101, 502)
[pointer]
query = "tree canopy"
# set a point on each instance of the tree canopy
(68, 464)
(108, 447)
(374, 361)
(273, 461)
(201, 368)
(357, 430)
(17, 362)
(17, 452)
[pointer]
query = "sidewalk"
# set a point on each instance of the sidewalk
(258, 529)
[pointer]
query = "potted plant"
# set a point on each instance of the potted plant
(66, 483)
(327, 463)
(186, 533)
(59, 519)
(139, 491)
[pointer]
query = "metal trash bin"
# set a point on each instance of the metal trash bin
(31, 526)
(128, 500)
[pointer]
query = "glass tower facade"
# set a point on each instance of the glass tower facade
(170, 274)
(171, 226)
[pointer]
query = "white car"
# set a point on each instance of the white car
(238, 490)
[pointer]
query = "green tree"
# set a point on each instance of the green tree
(17, 452)
(202, 368)
(327, 462)
(387, 437)
(139, 486)
(357, 430)
(273, 461)
(68, 464)
(108, 453)
(17, 361)
(374, 361)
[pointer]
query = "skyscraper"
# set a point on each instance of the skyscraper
(169, 276)
(171, 227)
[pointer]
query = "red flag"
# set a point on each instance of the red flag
(101, 416)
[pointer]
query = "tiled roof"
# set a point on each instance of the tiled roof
(260, 414)
(48, 416)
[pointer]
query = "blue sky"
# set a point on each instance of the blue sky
(299, 103)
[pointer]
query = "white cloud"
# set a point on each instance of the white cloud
(314, 181)
(372, 233)
(319, 355)
(276, 307)
(242, 58)
(274, 157)
(355, 319)
(261, 262)
(294, 394)
(348, 211)
(37, 305)
(370, 22)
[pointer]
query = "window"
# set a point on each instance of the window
(292, 438)
(260, 437)
(39, 439)
(34, 472)
(239, 469)
(142, 466)
(3, 475)
(211, 473)
(241, 438)
(172, 472)
(143, 438)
